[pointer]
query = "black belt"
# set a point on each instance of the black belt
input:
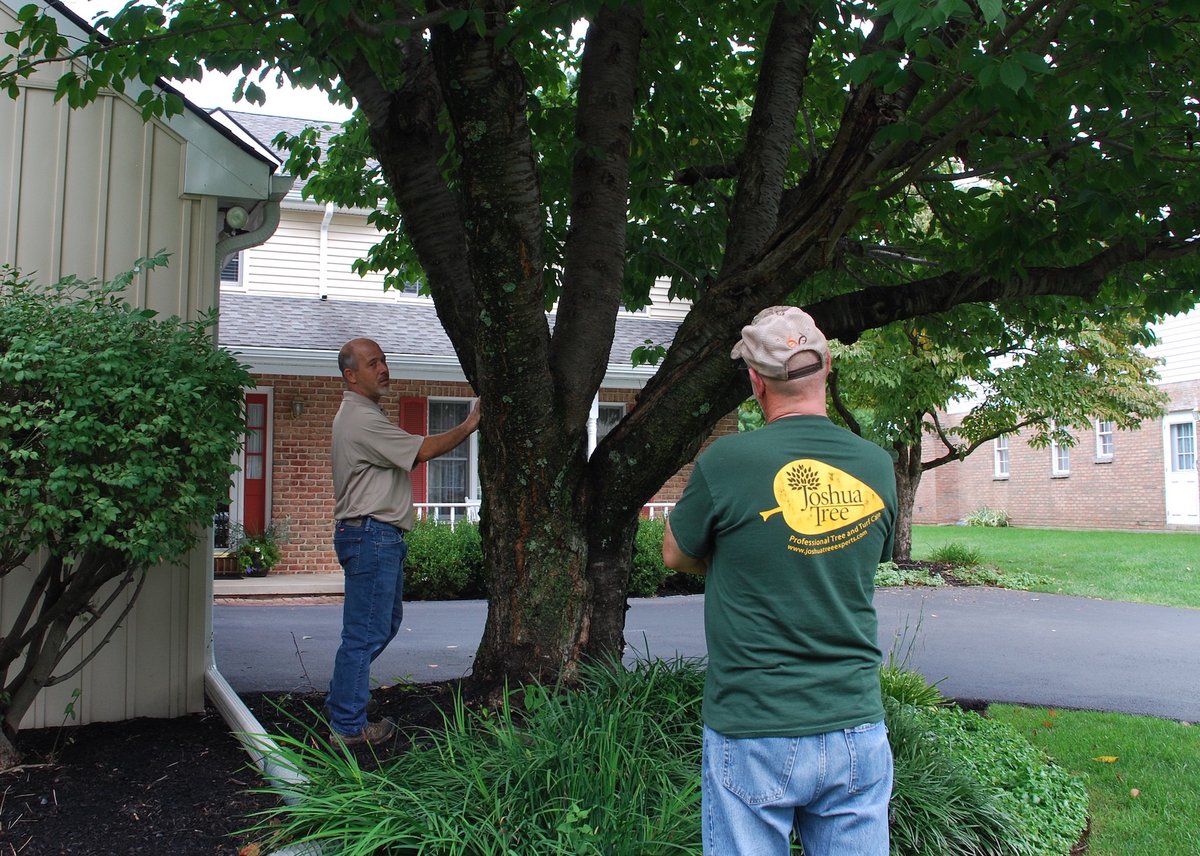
(356, 522)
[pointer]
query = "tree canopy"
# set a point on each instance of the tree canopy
(873, 162)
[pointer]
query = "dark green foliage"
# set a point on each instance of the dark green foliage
(957, 555)
(444, 562)
(612, 767)
(116, 433)
(649, 577)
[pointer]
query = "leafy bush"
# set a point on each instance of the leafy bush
(956, 555)
(648, 573)
(610, 769)
(891, 574)
(648, 576)
(909, 688)
(1048, 806)
(613, 767)
(116, 434)
(444, 562)
(986, 575)
(988, 517)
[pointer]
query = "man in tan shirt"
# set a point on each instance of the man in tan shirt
(373, 508)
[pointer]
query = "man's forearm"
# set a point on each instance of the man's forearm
(677, 560)
(436, 445)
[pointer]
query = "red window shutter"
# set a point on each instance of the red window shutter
(414, 418)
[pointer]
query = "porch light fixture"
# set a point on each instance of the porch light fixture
(297, 408)
(236, 217)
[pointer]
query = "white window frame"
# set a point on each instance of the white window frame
(1179, 459)
(1000, 457)
(1060, 459)
(472, 486)
(1105, 440)
(238, 284)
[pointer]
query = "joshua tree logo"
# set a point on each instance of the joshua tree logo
(802, 478)
(815, 497)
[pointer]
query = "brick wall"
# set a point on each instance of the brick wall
(1124, 493)
(302, 484)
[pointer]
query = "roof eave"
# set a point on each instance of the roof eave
(311, 363)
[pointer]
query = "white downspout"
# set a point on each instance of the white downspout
(264, 751)
(323, 257)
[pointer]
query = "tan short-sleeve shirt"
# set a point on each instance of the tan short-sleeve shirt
(372, 459)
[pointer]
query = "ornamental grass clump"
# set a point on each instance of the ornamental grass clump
(613, 767)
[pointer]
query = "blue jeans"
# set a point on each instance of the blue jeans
(833, 789)
(372, 557)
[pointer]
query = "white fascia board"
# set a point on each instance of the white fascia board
(306, 363)
(229, 123)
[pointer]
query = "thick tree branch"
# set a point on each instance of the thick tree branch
(410, 145)
(594, 252)
(771, 134)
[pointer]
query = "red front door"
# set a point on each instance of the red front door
(254, 472)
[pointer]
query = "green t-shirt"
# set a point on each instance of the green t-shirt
(793, 518)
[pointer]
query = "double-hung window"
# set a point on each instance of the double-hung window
(451, 478)
(1104, 440)
(1000, 456)
(1060, 459)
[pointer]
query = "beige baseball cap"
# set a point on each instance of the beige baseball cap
(776, 335)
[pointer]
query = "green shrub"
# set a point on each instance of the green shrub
(909, 688)
(988, 517)
(648, 576)
(891, 574)
(956, 555)
(648, 573)
(1047, 805)
(444, 562)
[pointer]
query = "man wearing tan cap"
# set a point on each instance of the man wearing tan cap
(789, 523)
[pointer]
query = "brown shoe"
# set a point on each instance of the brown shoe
(373, 733)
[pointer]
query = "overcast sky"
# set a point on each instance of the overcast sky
(216, 90)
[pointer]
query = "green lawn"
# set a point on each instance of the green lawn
(1145, 567)
(1142, 775)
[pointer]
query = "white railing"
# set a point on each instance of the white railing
(452, 512)
(448, 512)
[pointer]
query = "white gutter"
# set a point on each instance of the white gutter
(313, 363)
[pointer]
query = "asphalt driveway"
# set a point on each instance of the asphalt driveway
(976, 643)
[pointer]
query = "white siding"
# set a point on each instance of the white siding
(1179, 344)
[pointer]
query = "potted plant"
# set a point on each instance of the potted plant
(257, 553)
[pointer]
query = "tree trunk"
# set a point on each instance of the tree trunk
(908, 478)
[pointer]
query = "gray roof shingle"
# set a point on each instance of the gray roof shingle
(309, 324)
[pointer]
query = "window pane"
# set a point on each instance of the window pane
(444, 415)
(231, 270)
(610, 415)
(448, 476)
(1183, 447)
(1104, 439)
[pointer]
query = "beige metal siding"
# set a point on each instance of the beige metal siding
(87, 192)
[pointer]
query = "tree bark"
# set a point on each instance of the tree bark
(908, 478)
